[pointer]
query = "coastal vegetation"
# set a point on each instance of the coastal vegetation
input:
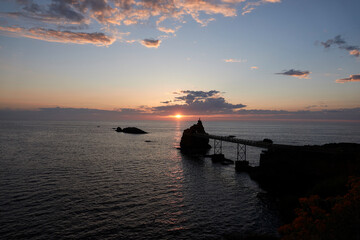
(331, 218)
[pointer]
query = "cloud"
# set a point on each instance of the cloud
(151, 43)
(220, 109)
(250, 6)
(190, 96)
(341, 43)
(58, 113)
(105, 15)
(345, 114)
(337, 40)
(233, 60)
(166, 30)
(50, 35)
(254, 68)
(198, 103)
(316, 106)
(352, 78)
(355, 52)
(296, 73)
(57, 12)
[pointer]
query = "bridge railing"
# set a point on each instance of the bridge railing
(253, 143)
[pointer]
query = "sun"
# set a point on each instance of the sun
(178, 116)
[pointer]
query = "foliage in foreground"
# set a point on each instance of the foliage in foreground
(333, 218)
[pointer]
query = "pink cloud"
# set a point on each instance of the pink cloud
(250, 6)
(233, 60)
(49, 35)
(80, 14)
(352, 78)
(355, 52)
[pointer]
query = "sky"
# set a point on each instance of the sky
(154, 59)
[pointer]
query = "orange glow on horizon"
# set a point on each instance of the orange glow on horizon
(176, 116)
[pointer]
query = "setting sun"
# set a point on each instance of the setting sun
(178, 116)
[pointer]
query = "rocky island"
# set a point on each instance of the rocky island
(132, 130)
(193, 144)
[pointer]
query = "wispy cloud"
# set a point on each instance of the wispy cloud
(233, 60)
(316, 106)
(104, 15)
(352, 78)
(250, 6)
(341, 43)
(50, 35)
(343, 114)
(254, 68)
(296, 73)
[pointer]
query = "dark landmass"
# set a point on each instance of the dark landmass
(191, 144)
(267, 140)
(288, 174)
(132, 130)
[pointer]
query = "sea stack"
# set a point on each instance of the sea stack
(194, 144)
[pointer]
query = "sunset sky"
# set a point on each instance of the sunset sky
(230, 59)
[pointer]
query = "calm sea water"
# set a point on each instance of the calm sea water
(83, 180)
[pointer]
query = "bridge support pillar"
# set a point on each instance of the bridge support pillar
(241, 152)
(217, 146)
(241, 164)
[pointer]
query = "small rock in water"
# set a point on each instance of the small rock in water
(132, 130)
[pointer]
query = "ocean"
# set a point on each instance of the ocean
(83, 180)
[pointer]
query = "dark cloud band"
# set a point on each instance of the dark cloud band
(198, 102)
(296, 73)
(151, 43)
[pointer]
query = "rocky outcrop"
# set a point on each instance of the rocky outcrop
(190, 143)
(132, 130)
(299, 169)
(289, 174)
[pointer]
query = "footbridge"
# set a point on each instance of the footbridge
(241, 144)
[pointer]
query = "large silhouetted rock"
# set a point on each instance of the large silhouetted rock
(192, 143)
